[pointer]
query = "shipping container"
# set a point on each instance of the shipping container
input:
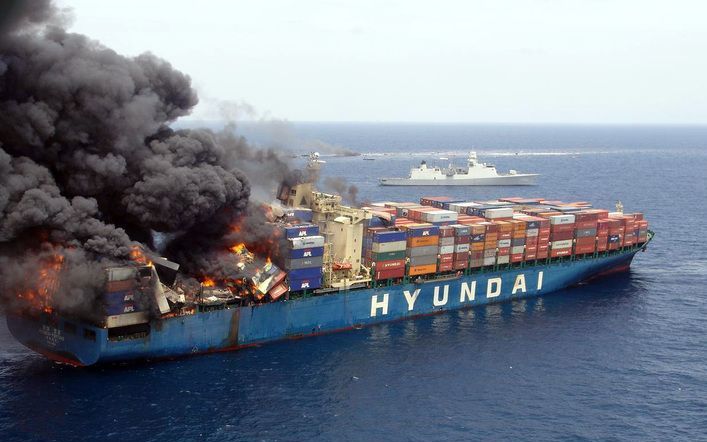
(421, 251)
(306, 273)
(305, 283)
(389, 274)
(421, 241)
(301, 263)
(305, 242)
(306, 253)
(422, 270)
(383, 247)
(301, 230)
(416, 261)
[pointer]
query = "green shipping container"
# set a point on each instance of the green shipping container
(387, 256)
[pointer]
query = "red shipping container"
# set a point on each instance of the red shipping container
(390, 265)
(562, 228)
(462, 239)
(531, 249)
(461, 256)
(505, 235)
(447, 257)
(542, 254)
(460, 265)
(517, 257)
(585, 225)
(389, 274)
(554, 253)
(581, 250)
(502, 251)
(446, 266)
(587, 241)
(561, 236)
(446, 231)
(531, 256)
(491, 228)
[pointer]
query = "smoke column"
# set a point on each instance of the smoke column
(89, 164)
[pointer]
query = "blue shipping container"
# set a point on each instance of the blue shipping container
(308, 273)
(119, 297)
(305, 284)
(306, 253)
(303, 230)
(389, 236)
(119, 309)
(422, 231)
(304, 215)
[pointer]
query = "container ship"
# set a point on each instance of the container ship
(340, 267)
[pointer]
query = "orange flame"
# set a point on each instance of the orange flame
(238, 248)
(208, 282)
(39, 297)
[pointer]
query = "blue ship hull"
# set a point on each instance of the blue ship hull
(237, 327)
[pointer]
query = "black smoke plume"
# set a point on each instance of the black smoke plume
(88, 162)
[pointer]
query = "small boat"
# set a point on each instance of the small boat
(474, 174)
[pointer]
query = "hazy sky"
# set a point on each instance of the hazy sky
(568, 61)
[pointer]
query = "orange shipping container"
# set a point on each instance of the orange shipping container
(421, 241)
(422, 270)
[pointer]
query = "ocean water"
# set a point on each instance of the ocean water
(623, 358)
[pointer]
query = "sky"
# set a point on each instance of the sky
(514, 61)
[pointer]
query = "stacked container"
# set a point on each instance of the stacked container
(462, 238)
(422, 248)
(121, 295)
(490, 243)
(518, 238)
(561, 235)
(303, 250)
(384, 252)
(446, 249)
(505, 236)
(476, 245)
(586, 231)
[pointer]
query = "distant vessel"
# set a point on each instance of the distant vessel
(474, 174)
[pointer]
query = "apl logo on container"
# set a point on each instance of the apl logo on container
(307, 254)
(302, 233)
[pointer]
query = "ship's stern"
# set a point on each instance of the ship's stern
(57, 338)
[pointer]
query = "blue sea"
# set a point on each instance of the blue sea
(623, 358)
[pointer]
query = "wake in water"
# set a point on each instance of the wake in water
(458, 154)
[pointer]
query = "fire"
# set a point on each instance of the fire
(268, 261)
(208, 282)
(238, 248)
(40, 296)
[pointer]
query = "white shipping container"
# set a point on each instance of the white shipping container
(517, 249)
(461, 248)
(504, 243)
(490, 261)
(461, 207)
(505, 212)
(127, 319)
(448, 241)
(443, 250)
(121, 273)
(503, 259)
(566, 244)
(532, 232)
(561, 219)
(439, 216)
(395, 246)
(306, 242)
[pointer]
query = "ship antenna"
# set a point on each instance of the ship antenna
(619, 207)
